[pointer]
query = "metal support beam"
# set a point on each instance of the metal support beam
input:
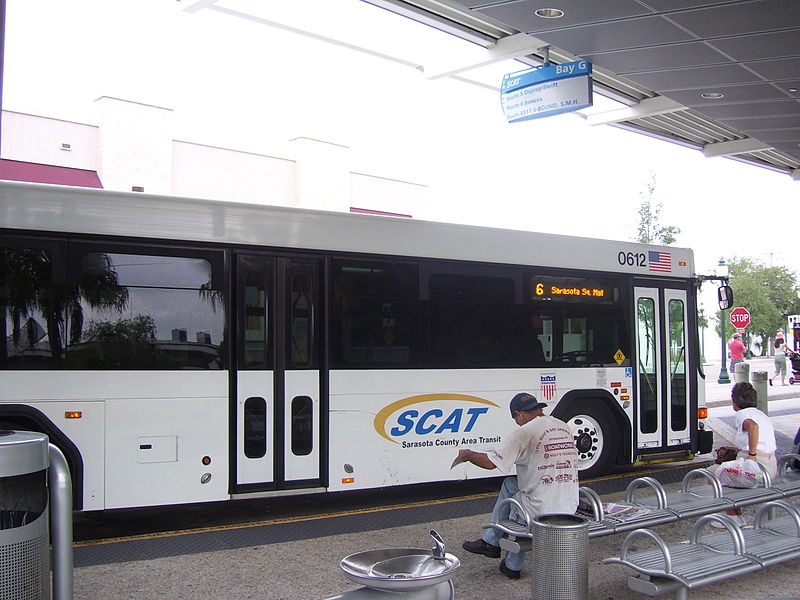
(512, 46)
(742, 146)
(658, 105)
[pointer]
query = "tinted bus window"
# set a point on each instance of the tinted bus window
(31, 335)
(142, 311)
(473, 321)
(375, 314)
(577, 321)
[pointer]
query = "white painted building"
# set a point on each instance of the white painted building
(132, 147)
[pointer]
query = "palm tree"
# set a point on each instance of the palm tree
(29, 277)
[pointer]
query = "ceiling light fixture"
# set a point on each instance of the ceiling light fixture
(793, 90)
(549, 13)
(712, 95)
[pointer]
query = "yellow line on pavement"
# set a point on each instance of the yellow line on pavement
(316, 517)
(344, 513)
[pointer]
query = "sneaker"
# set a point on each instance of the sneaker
(479, 546)
(510, 573)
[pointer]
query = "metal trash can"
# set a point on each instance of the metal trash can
(559, 547)
(24, 514)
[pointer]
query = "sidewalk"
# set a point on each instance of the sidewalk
(720, 393)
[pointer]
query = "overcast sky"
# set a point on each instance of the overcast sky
(245, 84)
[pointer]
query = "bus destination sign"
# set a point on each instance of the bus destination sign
(574, 289)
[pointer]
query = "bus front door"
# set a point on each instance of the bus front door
(278, 397)
(662, 390)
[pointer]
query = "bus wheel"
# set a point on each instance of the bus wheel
(591, 429)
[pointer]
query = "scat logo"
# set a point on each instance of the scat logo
(432, 421)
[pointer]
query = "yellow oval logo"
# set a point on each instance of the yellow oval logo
(431, 421)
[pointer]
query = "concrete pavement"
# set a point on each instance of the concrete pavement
(309, 569)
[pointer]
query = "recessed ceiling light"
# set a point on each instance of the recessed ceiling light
(549, 13)
(712, 95)
(793, 90)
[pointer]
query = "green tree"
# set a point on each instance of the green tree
(650, 230)
(769, 293)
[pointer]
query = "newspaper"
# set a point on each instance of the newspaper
(457, 461)
(615, 510)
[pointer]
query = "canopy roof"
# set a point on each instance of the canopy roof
(721, 76)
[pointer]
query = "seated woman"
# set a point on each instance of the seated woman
(755, 436)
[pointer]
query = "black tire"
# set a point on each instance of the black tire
(592, 428)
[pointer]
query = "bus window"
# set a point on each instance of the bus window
(302, 426)
(473, 321)
(143, 311)
(301, 308)
(648, 366)
(30, 336)
(539, 342)
(375, 314)
(677, 364)
(255, 328)
(255, 430)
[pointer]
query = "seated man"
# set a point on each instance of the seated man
(543, 451)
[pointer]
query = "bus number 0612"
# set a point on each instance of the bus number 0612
(632, 259)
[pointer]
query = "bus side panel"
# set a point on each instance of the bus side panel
(54, 394)
(155, 448)
(402, 427)
(181, 415)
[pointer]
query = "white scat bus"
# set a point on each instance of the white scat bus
(181, 350)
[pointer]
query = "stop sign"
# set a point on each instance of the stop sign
(740, 317)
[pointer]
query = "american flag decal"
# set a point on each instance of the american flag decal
(548, 384)
(660, 261)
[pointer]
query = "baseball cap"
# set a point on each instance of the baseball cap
(525, 401)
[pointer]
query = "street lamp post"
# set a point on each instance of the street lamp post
(724, 377)
(703, 335)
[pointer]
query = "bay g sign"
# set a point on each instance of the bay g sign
(547, 90)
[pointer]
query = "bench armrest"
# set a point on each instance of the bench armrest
(698, 473)
(738, 537)
(763, 513)
(629, 539)
(661, 495)
(783, 462)
(595, 502)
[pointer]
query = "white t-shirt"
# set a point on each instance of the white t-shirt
(543, 451)
(766, 432)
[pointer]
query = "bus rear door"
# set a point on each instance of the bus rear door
(278, 408)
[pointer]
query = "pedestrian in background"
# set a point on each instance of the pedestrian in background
(736, 350)
(781, 351)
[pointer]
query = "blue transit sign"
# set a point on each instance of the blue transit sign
(547, 90)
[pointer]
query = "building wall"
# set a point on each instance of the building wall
(132, 146)
(202, 171)
(35, 139)
(135, 146)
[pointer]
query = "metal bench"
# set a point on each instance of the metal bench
(697, 501)
(702, 500)
(787, 480)
(660, 507)
(682, 566)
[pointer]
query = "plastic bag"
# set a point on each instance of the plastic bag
(740, 473)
